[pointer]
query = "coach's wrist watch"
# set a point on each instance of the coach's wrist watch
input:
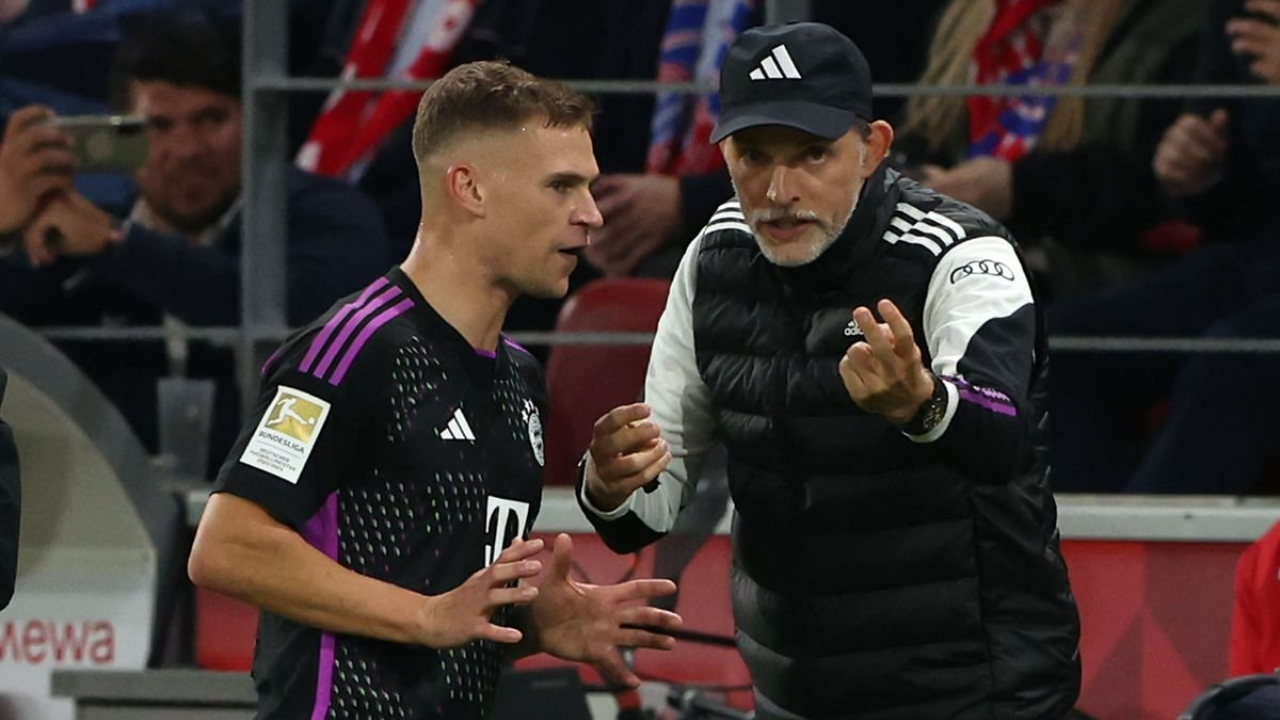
(931, 411)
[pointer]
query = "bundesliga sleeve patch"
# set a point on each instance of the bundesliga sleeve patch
(286, 434)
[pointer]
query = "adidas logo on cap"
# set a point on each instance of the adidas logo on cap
(777, 66)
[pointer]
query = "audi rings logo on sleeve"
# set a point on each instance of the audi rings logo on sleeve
(981, 267)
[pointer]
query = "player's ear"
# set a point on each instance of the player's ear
(462, 185)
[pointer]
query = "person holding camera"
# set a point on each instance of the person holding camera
(172, 255)
(36, 163)
(177, 247)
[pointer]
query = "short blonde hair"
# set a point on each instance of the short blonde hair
(491, 95)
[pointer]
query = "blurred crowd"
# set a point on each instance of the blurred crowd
(1142, 217)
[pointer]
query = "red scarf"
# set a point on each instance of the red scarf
(696, 40)
(354, 122)
(1010, 53)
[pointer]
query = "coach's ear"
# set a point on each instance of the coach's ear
(462, 186)
(881, 138)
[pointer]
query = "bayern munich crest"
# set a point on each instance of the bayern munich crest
(534, 423)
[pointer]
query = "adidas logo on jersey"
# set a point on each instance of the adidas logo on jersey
(458, 429)
(852, 329)
(776, 66)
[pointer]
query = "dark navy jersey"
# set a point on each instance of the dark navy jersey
(394, 447)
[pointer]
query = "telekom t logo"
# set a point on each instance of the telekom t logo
(498, 517)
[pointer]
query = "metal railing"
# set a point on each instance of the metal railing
(646, 87)
(267, 86)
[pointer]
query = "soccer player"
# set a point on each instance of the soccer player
(377, 507)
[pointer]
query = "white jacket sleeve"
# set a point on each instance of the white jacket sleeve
(681, 405)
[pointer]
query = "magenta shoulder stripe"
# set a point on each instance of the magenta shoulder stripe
(349, 326)
(383, 318)
(513, 344)
(330, 327)
(266, 366)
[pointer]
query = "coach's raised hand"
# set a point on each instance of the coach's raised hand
(627, 452)
(884, 374)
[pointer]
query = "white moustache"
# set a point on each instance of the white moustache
(764, 216)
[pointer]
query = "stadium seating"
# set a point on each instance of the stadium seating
(585, 381)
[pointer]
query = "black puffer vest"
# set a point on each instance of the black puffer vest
(871, 581)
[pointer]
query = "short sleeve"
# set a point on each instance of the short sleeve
(307, 436)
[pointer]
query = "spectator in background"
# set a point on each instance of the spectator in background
(1070, 169)
(1220, 162)
(36, 162)
(174, 255)
(683, 171)
(1255, 617)
(59, 53)
(10, 506)
(10, 9)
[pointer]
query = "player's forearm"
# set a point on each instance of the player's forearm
(275, 569)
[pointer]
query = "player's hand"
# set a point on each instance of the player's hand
(1190, 157)
(463, 614)
(589, 623)
(1259, 39)
(640, 212)
(885, 374)
(627, 452)
(35, 162)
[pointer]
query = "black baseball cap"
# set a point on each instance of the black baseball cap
(808, 76)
